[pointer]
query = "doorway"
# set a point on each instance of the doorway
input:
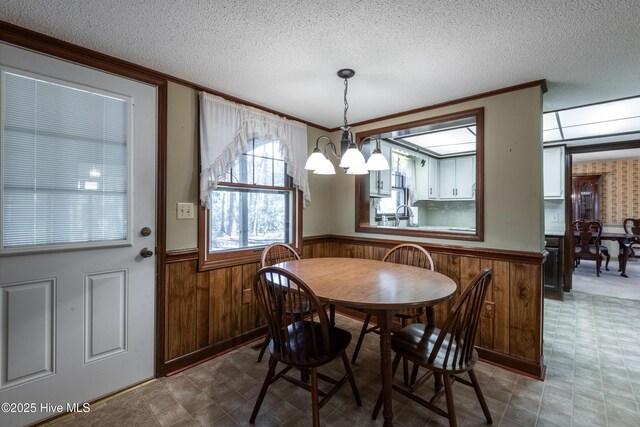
(617, 169)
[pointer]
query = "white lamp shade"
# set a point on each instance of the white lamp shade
(377, 162)
(325, 168)
(360, 169)
(315, 160)
(353, 157)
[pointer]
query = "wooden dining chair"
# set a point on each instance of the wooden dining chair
(302, 343)
(588, 244)
(274, 254)
(408, 254)
(449, 351)
(632, 226)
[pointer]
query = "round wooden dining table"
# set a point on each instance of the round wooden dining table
(380, 288)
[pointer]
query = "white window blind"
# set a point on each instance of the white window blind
(64, 164)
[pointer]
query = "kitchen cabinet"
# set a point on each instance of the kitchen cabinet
(553, 168)
(432, 181)
(456, 178)
(553, 265)
(586, 202)
(427, 178)
(380, 181)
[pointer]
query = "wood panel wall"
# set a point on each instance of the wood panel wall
(205, 313)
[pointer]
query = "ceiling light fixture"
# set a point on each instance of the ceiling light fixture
(352, 159)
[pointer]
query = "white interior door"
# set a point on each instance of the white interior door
(77, 299)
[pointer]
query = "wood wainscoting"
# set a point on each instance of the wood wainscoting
(205, 313)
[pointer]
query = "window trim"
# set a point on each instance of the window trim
(208, 261)
(362, 210)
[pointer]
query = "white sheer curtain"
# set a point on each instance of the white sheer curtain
(225, 128)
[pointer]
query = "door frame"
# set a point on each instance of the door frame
(32, 40)
(568, 215)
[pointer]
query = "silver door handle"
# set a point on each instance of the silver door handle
(146, 253)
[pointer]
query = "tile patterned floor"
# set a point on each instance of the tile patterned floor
(591, 349)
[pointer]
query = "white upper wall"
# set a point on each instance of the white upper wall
(513, 203)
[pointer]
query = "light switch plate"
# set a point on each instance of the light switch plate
(185, 211)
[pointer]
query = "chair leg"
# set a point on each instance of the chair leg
(265, 385)
(478, 390)
(352, 380)
(363, 332)
(332, 314)
(606, 266)
(451, 408)
(265, 344)
(315, 405)
(437, 382)
(414, 374)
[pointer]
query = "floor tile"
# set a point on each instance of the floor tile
(593, 379)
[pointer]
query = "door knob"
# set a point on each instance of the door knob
(146, 252)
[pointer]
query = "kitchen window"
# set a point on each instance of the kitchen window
(402, 191)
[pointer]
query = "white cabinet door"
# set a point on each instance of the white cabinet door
(433, 179)
(447, 178)
(457, 178)
(553, 167)
(426, 178)
(465, 177)
(422, 178)
(380, 181)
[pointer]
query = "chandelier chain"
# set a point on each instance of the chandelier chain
(346, 104)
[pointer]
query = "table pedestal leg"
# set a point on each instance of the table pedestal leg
(384, 322)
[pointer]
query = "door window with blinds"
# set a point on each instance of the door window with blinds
(65, 164)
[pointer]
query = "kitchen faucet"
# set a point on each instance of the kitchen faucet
(398, 216)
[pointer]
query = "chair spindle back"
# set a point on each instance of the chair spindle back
(276, 253)
(282, 296)
(458, 333)
(409, 254)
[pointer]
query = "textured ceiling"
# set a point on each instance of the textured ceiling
(407, 54)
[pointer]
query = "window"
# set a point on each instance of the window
(441, 160)
(386, 208)
(253, 206)
(65, 173)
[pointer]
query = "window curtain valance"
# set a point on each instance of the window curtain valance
(226, 128)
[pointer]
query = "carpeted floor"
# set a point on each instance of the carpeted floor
(610, 283)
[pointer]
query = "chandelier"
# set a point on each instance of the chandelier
(352, 159)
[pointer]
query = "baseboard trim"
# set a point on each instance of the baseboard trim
(181, 363)
(502, 360)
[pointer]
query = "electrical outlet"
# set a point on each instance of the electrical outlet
(489, 309)
(246, 296)
(185, 211)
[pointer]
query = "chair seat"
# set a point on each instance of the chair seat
(305, 332)
(592, 248)
(416, 341)
(411, 314)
